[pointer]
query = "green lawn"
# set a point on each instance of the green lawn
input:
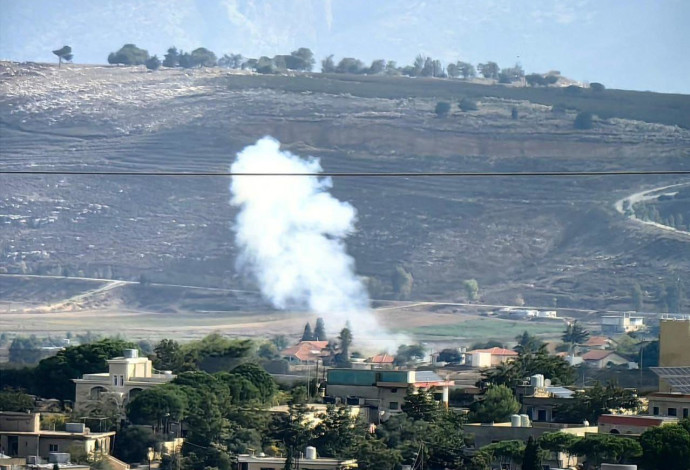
(484, 329)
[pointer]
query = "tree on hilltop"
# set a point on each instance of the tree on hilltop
(129, 54)
(153, 63)
(64, 53)
(172, 58)
(489, 70)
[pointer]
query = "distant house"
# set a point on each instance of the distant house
(383, 389)
(380, 361)
(600, 359)
(599, 342)
(126, 376)
(619, 324)
(490, 357)
(306, 352)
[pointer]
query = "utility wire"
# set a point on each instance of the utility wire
(461, 174)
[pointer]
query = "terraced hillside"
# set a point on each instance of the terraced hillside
(541, 238)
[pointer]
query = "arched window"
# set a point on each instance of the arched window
(615, 431)
(134, 392)
(97, 392)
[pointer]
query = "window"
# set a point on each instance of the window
(394, 405)
(541, 415)
(394, 390)
(53, 448)
(115, 380)
(122, 381)
(655, 411)
(672, 412)
(685, 412)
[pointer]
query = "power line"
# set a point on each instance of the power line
(462, 174)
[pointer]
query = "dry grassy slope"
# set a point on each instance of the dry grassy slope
(541, 237)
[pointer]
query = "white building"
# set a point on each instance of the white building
(126, 376)
(617, 324)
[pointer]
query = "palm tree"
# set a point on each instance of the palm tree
(574, 335)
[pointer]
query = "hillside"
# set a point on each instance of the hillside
(541, 238)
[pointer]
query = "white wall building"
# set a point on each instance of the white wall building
(126, 376)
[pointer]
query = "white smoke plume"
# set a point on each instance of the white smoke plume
(290, 232)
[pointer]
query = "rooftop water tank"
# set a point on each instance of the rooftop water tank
(79, 428)
(131, 353)
(58, 457)
(515, 421)
(311, 453)
(524, 421)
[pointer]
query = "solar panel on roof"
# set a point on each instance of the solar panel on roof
(677, 377)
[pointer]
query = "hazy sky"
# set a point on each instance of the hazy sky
(633, 44)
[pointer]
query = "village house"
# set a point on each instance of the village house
(600, 359)
(383, 390)
(620, 324)
(126, 376)
(490, 357)
(21, 436)
(306, 352)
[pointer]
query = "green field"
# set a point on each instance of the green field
(484, 329)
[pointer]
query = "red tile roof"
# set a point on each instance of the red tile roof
(381, 359)
(598, 341)
(496, 351)
(306, 350)
(596, 355)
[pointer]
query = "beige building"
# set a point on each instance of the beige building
(126, 377)
(254, 462)
(490, 357)
(600, 359)
(21, 436)
(675, 405)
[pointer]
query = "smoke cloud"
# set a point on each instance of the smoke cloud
(290, 232)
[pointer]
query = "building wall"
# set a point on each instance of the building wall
(20, 422)
(670, 406)
(674, 338)
(44, 445)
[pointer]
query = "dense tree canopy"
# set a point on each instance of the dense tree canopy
(497, 405)
(667, 447)
(129, 54)
(592, 403)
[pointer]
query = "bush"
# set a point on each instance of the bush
(153, 63)
(596, 87)
(573, 90)
(583, 120)
(467, 104)
(442, 108)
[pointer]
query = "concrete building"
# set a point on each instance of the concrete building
(384, 390)
(126, 376)
(486, 434)
(619, 324)
(490, 357)
(21, 436)
(674, 405)
(600, 359)
(631, 424)
(309, 461)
